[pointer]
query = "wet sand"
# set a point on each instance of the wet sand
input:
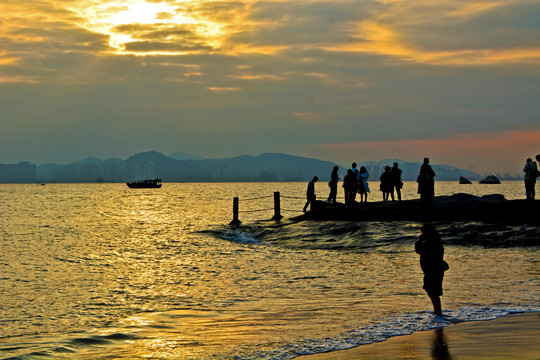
(511, 337)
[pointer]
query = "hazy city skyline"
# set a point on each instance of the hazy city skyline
(343, 81)
(181, 167)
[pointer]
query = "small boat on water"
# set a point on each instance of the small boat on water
(145, 184)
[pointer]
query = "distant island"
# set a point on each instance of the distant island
(182, 167)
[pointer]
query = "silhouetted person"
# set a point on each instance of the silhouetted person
(396, 181)
(363, 186)
(350, 186)
(334, 179)
(538, 162)
(354, 168)
(386, 183)
(431, 251)
(310, 193)
(356, 173)
(426, 181)
(531, 171)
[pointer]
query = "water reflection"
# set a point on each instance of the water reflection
(439, 346)
(89, 256)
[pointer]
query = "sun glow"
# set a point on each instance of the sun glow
(140, 12)
(140, 22)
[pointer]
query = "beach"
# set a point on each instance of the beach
(510, 337)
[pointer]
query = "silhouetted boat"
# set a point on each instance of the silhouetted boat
(145, 184)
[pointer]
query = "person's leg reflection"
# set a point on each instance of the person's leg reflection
(439, 347)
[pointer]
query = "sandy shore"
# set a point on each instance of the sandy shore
(510, 337)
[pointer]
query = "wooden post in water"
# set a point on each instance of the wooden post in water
(277, 207)
(235, 221)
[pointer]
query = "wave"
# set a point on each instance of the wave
(240, 236)
(381, 330)
(69, 346)
(320, 235)
(364, 236)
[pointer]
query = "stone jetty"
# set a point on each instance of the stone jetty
(458, 207)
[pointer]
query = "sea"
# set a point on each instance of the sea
(101, 271)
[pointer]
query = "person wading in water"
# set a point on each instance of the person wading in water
(431, 251)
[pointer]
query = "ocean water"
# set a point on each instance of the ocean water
(100, 271)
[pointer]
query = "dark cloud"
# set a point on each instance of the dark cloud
(157, 31)
(149, 46)
(500, 27)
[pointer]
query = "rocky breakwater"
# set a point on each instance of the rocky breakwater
(458, 207)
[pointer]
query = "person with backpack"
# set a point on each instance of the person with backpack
(430, 248)
(531, 173)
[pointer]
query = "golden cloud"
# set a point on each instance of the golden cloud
(395, 33)
(218, 90)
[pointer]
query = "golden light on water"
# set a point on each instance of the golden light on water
(141, 27)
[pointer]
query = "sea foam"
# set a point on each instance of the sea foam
(396, 325)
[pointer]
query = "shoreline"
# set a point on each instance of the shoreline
(511, 337)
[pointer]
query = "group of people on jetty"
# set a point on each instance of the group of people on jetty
(356, 182)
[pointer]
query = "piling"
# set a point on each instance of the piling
(235, 221)
(277, 207)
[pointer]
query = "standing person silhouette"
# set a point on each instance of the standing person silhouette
(363, 186)
(538, 161)
(310, 193)
(350, 187)
(426, 181)
(530, 171)
(430, 248)
(355, 171)
(386, 184)
(334, 178)
(396, 180)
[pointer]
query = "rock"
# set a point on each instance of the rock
(494, 197)
(463, 180)
(463, 196)
(491, 179)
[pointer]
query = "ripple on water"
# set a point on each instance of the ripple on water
(89, 256)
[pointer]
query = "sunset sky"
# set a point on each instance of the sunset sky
(340, 80)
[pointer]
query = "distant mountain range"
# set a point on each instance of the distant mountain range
(180, 167)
